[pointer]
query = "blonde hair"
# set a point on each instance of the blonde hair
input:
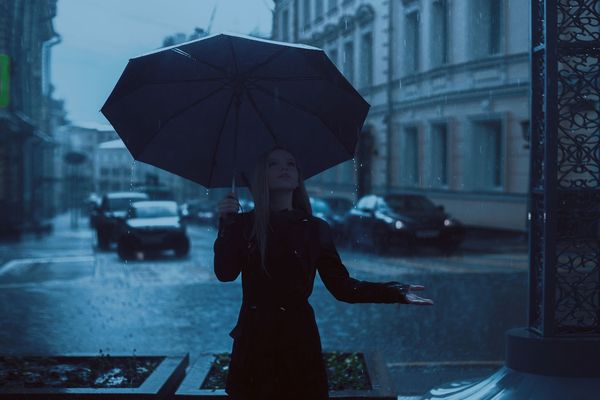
(259, 187)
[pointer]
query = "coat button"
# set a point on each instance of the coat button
(282, 308)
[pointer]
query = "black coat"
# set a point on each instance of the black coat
(277, 348)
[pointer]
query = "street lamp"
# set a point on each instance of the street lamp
(74, 160)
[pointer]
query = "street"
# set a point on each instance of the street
(60, 295)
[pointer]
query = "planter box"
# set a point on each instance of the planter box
(380, 382)
(159, 384)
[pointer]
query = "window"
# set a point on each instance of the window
(487, 155)
(366, 60)
(410, 157)
(318, 9)
(285, 26)
(411, 42)
(306, 13)
(439, 155)
(367, 203)
(439, 34)
(332, 5)
(348, 61)
(486, 23)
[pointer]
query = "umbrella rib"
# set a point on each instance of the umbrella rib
(261, 116)
(182, 53)
(268, 60)
(184, 81)
(303, 109)
(170, 118)
(134, 90)
(235, 64)
(214, 152)
(286, 78)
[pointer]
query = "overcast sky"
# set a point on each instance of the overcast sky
(99, 36)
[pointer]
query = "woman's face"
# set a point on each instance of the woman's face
(281, 171)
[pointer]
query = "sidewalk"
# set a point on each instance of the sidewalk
(61, 239)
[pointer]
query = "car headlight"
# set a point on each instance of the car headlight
(399, 224)
(385, 218)
(449, 222)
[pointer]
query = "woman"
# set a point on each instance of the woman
(278, 247)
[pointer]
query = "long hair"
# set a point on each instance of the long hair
(259, 187)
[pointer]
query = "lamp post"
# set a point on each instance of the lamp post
(556, 356)
(74, 160)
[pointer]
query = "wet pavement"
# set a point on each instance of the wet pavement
(57, 295)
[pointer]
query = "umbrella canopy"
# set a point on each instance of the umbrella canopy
(206, 109)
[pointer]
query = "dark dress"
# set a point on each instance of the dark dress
(277, 349)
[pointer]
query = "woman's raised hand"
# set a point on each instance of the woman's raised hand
(228, 206)
(406, 295)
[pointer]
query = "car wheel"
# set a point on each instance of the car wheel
(448, 245)
(380, 241)
(127, 248)
(102, 239)
(182, 247)
(355, 237)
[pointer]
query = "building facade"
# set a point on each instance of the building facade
(115, 170)
(448, 84)
(76, 181)
(27, 115)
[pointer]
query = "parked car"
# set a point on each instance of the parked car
(92, 203)
(320, 208)
(112, 209)
(152, 225)
(340, 205)
(382, 222)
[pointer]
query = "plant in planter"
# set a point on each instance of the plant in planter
(90, 376)
(351, 375)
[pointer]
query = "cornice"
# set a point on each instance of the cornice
(346, 24)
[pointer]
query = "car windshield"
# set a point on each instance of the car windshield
(156, 211)
(319, 206)
(121, 203)
(410, 203)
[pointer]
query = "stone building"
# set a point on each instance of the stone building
(115, 170)
(76, 182)
(27, 114)
(448, 85)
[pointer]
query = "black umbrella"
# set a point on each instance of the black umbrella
(205, 109)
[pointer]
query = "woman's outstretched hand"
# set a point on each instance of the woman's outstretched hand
(228, 206)
(406, 295)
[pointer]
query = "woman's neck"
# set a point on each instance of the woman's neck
(280, 200)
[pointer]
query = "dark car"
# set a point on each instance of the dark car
(92, 204)
(152, 225)
(107, 216)
(340, 205)
(200, 212)
(403, 220)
